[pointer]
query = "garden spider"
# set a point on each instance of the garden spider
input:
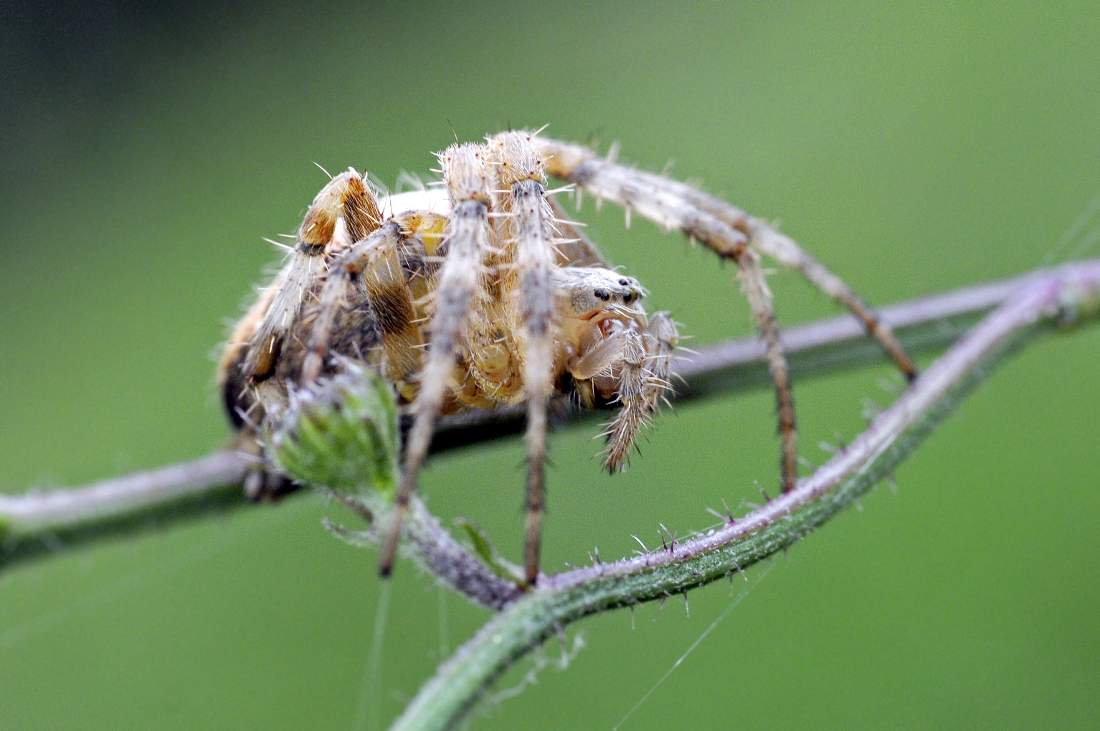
(482, 294)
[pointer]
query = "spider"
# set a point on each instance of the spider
(481, 293)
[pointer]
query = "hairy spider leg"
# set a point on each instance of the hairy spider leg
(527, 230)
(344, 211)
(461, 284)
(770, 242)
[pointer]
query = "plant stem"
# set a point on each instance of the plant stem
(1071, 294)
(35, 524)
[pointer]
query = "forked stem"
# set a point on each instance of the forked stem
(1069, 295)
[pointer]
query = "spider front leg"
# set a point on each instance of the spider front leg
(764, 238)
(783, 249)
(669, 204)
(528, 236)
(768, 241)
(759, 297)
(461, 282)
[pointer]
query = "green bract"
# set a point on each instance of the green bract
(342, 434)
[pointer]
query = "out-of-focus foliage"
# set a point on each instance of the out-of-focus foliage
(913, 148)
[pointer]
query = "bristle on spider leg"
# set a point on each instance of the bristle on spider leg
(279, 245)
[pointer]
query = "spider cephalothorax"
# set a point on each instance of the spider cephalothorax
(482, 294)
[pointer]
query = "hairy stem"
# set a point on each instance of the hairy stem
(1066, 296)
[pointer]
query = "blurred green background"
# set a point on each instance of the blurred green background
(914, 148)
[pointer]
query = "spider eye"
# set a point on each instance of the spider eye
(602, 294)
(628, 297)
(624, 282)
